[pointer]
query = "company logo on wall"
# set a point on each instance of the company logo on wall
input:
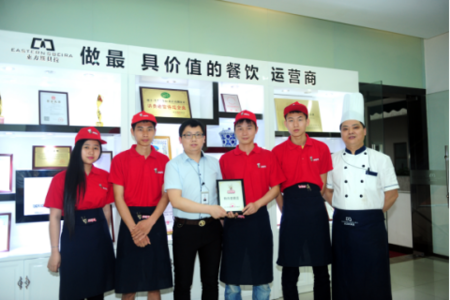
(42, 50)
(40, 43)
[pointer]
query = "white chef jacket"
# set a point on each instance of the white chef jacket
(360, 180)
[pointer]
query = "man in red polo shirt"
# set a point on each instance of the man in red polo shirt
(247, 240)
(304, 229)
(143, 261)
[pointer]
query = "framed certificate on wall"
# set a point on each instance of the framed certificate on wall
(51, 157)
(162, 145)
(231, 103)
(53, 108)
(6, 167)
(169, 103)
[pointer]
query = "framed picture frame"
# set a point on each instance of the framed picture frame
(231, 103)
(53, 108)
(104, 161)
(169, 103)
(51, 157)
(231, 194)
(6, 173)
(5, 231)
(31, 189)
(162, 145)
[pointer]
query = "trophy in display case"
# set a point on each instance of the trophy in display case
(2, 119)
(99, 114)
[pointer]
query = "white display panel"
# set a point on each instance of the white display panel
(214, 139)
(251, 96)
(330, 105)
(19, 86)
(200, 93)
(35, 191)
(104, 162)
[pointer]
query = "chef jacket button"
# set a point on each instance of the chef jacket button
(364, 166)
(345, 167)
(362, 181)
(346, 181)
(344, 153)
(365, 153)
(360, 196)
(346, 196)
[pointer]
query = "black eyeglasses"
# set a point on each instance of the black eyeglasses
(189, 136)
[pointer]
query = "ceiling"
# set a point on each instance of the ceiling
(419, 18)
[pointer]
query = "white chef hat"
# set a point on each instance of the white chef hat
(353, 108)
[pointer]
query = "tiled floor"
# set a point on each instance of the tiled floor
(415, 279)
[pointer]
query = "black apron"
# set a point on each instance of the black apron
(87, 258)
(247, 253)
(143, 269)
(304, 228)
(360, 256)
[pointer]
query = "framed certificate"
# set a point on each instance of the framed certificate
(5, 231)
(166, 102)
(6, 167)
(31, 189)
(231, 194)
(104, 161)
(162, 145)
(51, 157)
(53, 108)
(231, 103)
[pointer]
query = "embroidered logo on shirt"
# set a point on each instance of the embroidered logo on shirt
(349, 222)
(315, 159)
(156, 170)
(259, 166)
(161, 172)
(102, 187)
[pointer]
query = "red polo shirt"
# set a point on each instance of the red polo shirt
(141, 178)
(303, 165)
(98, 191)
(259, 170)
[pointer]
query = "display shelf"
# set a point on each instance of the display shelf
(7, 196)
(54, 128)
(233, 115)
(311, 134)
(218, 149)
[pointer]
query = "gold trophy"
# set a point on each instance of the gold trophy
(2, 119)
(99, 114)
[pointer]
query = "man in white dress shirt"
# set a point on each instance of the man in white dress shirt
(361, 187)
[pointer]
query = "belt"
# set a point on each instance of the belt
(199, 222)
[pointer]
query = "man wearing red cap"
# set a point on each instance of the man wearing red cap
(304, 230)
(143, 261)
(248, 245)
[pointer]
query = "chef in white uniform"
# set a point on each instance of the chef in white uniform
(361, 187)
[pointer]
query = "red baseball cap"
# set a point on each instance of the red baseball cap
(143, 116)
(89, 133)
(245, 114)
(295, 107)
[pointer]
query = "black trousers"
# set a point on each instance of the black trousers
(289, 278)
(188, 240)
(98, 297)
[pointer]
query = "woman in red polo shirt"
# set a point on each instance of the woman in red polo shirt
(82, 194)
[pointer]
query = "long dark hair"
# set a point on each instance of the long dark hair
(74, 185)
